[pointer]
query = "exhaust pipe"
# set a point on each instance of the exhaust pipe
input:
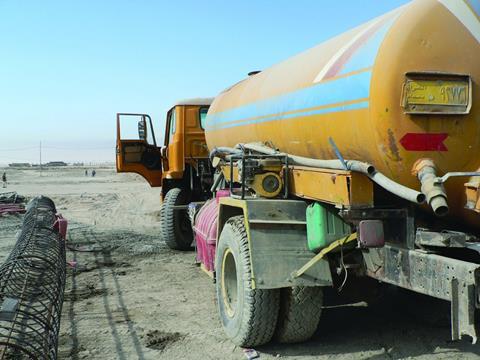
(425, 171)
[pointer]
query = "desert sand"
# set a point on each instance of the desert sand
(130, 297)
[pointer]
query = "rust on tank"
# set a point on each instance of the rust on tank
(392, 145)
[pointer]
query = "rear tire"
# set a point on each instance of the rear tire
(176, 230)
(248, 315)
(300, 312)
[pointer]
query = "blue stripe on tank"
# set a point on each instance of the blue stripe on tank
(475, 4)
(332, 92)
(359, 105)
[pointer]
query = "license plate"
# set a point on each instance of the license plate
(443, 96)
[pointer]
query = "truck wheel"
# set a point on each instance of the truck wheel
(176, 230)
(300, 311)
(248, 315)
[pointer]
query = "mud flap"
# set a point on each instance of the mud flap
(463, 311)
(277, 236)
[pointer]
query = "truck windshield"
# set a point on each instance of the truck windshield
(203, 116)
(171, 125)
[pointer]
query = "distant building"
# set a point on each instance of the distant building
(56, 163)
(17, 165)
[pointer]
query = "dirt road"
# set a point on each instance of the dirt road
(129, 297)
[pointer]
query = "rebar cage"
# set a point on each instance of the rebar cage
(32, 282)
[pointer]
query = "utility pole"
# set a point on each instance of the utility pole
(40, 158)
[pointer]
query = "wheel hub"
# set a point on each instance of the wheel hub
(229, 283)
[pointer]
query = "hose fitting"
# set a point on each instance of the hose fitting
(425, 171)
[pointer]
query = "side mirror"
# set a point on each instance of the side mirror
(142, 130)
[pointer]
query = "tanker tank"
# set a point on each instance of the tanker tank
(398, 89)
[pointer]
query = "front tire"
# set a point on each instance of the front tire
(176, 230)
(248, 315)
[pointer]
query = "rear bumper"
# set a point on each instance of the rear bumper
(434, 275)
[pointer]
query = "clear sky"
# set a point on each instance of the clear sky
(67, 67)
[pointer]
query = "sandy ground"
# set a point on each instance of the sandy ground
(132, 298)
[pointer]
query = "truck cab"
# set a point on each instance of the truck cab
(181, 167)
(185, 152)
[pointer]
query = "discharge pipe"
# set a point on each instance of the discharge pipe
(425, 170)
(352, 165)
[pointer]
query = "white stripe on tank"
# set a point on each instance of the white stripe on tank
(464, 13)
(344, 49)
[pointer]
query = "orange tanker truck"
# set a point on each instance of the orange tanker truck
(358, 157)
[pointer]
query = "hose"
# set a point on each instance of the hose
(217, 182)
(397, 189)
(224, 150)
(352, 165)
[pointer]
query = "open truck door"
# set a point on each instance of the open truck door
(137, 149)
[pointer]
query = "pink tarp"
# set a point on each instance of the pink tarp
(11, 209)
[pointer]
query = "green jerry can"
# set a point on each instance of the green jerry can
(324, 227)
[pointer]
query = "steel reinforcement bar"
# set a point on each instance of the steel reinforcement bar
(32, 282)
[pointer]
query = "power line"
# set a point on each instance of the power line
(79, 148)
(15, 158)
(20, 149)
(72, 148)
(40, 158)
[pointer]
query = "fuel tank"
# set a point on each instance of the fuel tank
(402, 87)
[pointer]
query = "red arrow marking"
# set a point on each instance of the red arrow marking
(424, 142)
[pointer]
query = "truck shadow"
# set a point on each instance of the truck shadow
(400, 324)
(108, 291)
